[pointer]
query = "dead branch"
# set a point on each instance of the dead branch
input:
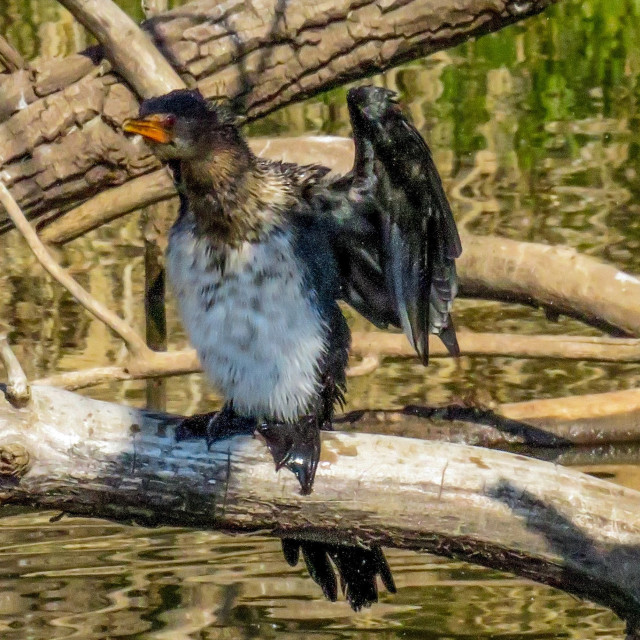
(65, 146)
(508, 426)
(586, 420)
(597, 349)
(130, 51)
(93, 458)
(371, 346)
(135, 344)
(570, 408)
(109, 205)
(558, 279)
(332, 151)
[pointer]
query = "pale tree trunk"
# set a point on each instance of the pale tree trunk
(551, 524)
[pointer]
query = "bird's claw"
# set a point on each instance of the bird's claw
(215, 426)
(296, 447)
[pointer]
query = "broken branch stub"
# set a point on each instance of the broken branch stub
(17, 390)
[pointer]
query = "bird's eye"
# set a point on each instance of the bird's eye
(168, 121)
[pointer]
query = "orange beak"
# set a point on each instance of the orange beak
(152, 129)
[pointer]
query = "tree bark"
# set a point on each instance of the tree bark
(551, 524)
(65, 145)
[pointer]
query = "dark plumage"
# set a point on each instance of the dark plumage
(259, 257)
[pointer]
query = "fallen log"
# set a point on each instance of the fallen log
(551, 524)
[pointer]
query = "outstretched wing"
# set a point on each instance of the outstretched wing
(402, 269)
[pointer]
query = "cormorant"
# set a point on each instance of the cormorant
(260, 255)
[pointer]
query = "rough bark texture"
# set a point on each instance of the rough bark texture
(541, 521)
(59, 131)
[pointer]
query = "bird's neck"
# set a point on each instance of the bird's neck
(231, 195)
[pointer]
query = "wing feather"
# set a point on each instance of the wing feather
(417, 238)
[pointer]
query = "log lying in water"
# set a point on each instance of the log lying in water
(548, 523)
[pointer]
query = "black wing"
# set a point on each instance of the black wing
(400, 261)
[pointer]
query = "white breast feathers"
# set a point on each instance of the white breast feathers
(253, 323)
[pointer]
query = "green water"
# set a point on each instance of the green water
(536, 132)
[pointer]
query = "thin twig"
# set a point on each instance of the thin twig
(18, 391)
(160, 364)
(135, 344)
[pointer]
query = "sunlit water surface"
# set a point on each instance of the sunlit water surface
(536, 133)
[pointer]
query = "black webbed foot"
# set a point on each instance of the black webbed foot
(357, 567)
(295, 446)
(215, 426)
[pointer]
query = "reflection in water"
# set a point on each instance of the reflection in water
(535, 131)
(84, 579)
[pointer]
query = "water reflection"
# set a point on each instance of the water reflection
(535, 131)
(84, 579)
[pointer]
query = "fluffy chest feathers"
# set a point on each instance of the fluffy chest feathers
(251, 318)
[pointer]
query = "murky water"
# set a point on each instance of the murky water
(535, 131)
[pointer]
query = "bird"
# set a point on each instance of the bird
(262, 253)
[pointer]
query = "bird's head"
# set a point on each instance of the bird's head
(182, 125)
